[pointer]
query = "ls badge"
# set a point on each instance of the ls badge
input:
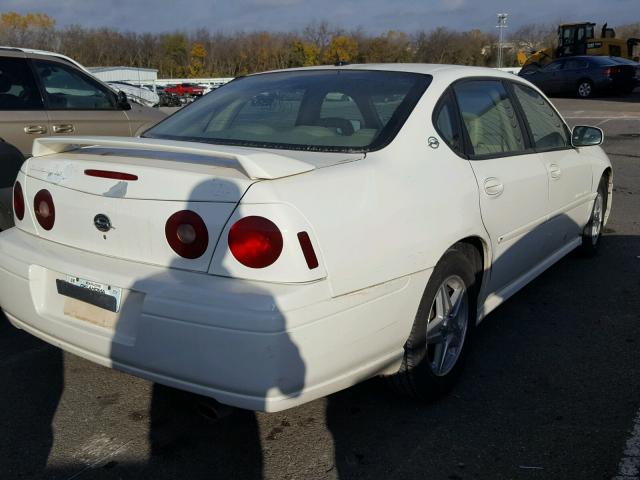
(433, 142)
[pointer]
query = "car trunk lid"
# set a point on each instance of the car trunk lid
(137, 187)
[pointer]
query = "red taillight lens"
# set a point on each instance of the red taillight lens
(18, 201)
(187, 234)
(44, 209)
(255, 242)
(609, 71)
(307, 250)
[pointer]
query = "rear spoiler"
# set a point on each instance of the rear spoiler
(255, 163)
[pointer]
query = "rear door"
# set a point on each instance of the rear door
(512, 181)
(22, 115)
(76, 103)
(569, 174)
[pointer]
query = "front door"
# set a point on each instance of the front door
(573, 71)
(570, 176)
(511, 179)
(552, 77)
(77, 104)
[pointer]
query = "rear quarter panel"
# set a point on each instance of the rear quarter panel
(389, 215)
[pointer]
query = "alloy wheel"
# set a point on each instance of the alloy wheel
(584, 89)
(596, 221)
(447, 326)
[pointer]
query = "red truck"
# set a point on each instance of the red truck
(185, 90)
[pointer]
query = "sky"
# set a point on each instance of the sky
(373, 16)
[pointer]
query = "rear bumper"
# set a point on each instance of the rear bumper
(615, 85)
(251, 345)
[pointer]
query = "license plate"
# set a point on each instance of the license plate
(98, 294)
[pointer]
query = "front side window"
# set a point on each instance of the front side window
(489, 117)
(67, 89)
(547, 128)
(18, 89)
(323, 110)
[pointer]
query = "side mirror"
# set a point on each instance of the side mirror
(122, 101)
(583, 136)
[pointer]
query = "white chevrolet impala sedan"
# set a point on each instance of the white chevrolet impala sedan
(296, 232)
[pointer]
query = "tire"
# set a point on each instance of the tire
(584, 89)
(592, 232)
(428, 372)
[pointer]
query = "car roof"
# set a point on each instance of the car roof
(31, 51)
(442, 70)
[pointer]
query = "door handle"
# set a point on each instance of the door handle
(555, 171)
(493, 187)
(35, 129)
(63, 128)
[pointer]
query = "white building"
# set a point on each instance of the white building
(134, 75)
(149, 77)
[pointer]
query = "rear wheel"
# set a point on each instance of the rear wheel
(442, 330)
(584, 89)
(593, 230)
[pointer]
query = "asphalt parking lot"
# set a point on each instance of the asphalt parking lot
(551, 389)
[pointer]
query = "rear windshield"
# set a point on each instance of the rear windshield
(324, 110)
(624, 61)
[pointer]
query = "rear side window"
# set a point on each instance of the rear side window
(18, 89)
(68, 89)
(547, 128)
(490, 118)
(446, 122)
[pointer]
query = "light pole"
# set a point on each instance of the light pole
(502, 24)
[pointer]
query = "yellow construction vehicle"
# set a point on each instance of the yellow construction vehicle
(579, 39)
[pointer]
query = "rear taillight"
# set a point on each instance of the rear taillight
(609, 71)
(255, 242)
(18, 201)
(187, 234)
(44, 209)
